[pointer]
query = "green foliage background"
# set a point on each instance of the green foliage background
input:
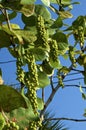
(39, 47)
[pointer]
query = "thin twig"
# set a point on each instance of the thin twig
(69, 119)
(43, 95)
(77, 70)
(7, 19)
(6, 62)
(52, 96)
(51, 83)
(78, 86)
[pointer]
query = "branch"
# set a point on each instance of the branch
(49, 99)
(77, 70)
(43, 94)
(52, 95)
(7, 19)
(78, 86)
(51, 83)
(69, 119)
(6, 62)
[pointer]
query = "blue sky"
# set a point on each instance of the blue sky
(68, 101)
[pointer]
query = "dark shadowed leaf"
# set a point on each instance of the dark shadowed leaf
(58, 23)
(4, 39)
(39, 10)
(10, 15)
(20, 6)
(62, 41)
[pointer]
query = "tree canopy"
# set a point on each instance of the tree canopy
(38, 48)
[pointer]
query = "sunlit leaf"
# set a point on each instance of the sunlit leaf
(26, 35)
(22, 116)
(24, 2)
(66, 2)
(65, 14)
(55, 64)
(46, 2)
(54, 1)
(65, 70)
(2, 121)
(8, 97)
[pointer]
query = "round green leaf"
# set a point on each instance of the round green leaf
(43, 11)
(57, 23)
(55, 64)
(10, 98)
(39, 53)
(43, 79)
(26, 35)
(61, 40)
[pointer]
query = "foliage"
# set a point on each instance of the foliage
(38, 47)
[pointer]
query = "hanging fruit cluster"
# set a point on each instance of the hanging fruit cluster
(53, 50)
(72, 55)
(42, 37)
(32, 81)
(11, 126)
(20, 71)
(79, 29)
(33, 125)
(79, 35)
